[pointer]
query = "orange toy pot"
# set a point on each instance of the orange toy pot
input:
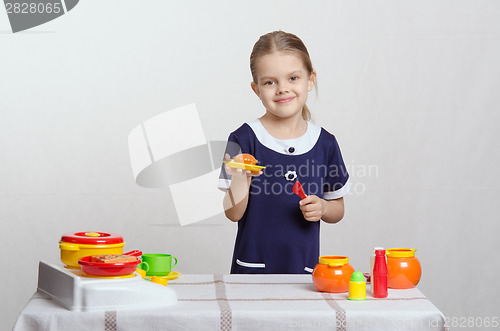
(332, 274)
(403, 268)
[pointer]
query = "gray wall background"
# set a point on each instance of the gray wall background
(410, 89)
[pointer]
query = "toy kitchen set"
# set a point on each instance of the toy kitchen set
(97, 275)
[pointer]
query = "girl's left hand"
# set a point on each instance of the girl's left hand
(312, 208)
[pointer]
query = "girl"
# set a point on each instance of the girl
(277, 231)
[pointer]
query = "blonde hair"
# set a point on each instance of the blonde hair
(280, 41)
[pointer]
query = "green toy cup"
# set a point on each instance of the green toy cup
(157, 264)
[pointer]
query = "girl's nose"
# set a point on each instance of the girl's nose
(283, 88)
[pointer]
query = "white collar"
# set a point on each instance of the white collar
(296, 146)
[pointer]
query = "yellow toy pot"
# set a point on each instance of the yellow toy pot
(76, 245)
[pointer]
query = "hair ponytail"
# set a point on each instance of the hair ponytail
(306, 114)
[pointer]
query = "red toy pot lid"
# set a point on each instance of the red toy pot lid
(92, 238)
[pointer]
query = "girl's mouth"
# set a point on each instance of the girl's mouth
(285, 100)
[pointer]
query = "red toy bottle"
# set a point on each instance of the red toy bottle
(379, 281)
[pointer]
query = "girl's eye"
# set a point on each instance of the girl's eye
(269, 82)
(294, 78)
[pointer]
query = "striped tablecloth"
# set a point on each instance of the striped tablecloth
(247, 302)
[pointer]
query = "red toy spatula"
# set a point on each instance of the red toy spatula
(297, 189)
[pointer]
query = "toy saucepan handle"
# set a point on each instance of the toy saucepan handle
(135, 253)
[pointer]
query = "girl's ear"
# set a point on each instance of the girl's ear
(255, 88)
(312, 81)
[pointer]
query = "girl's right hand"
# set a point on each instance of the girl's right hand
(239, 172)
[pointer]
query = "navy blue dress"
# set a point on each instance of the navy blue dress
(273, 236)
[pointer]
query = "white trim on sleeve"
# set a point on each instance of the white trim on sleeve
(338, 193)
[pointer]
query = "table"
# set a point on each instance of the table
(247, 302)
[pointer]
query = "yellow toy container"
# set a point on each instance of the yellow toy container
(357, 287)
(76, 245)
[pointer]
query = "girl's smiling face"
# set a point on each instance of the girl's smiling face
(283, 83)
